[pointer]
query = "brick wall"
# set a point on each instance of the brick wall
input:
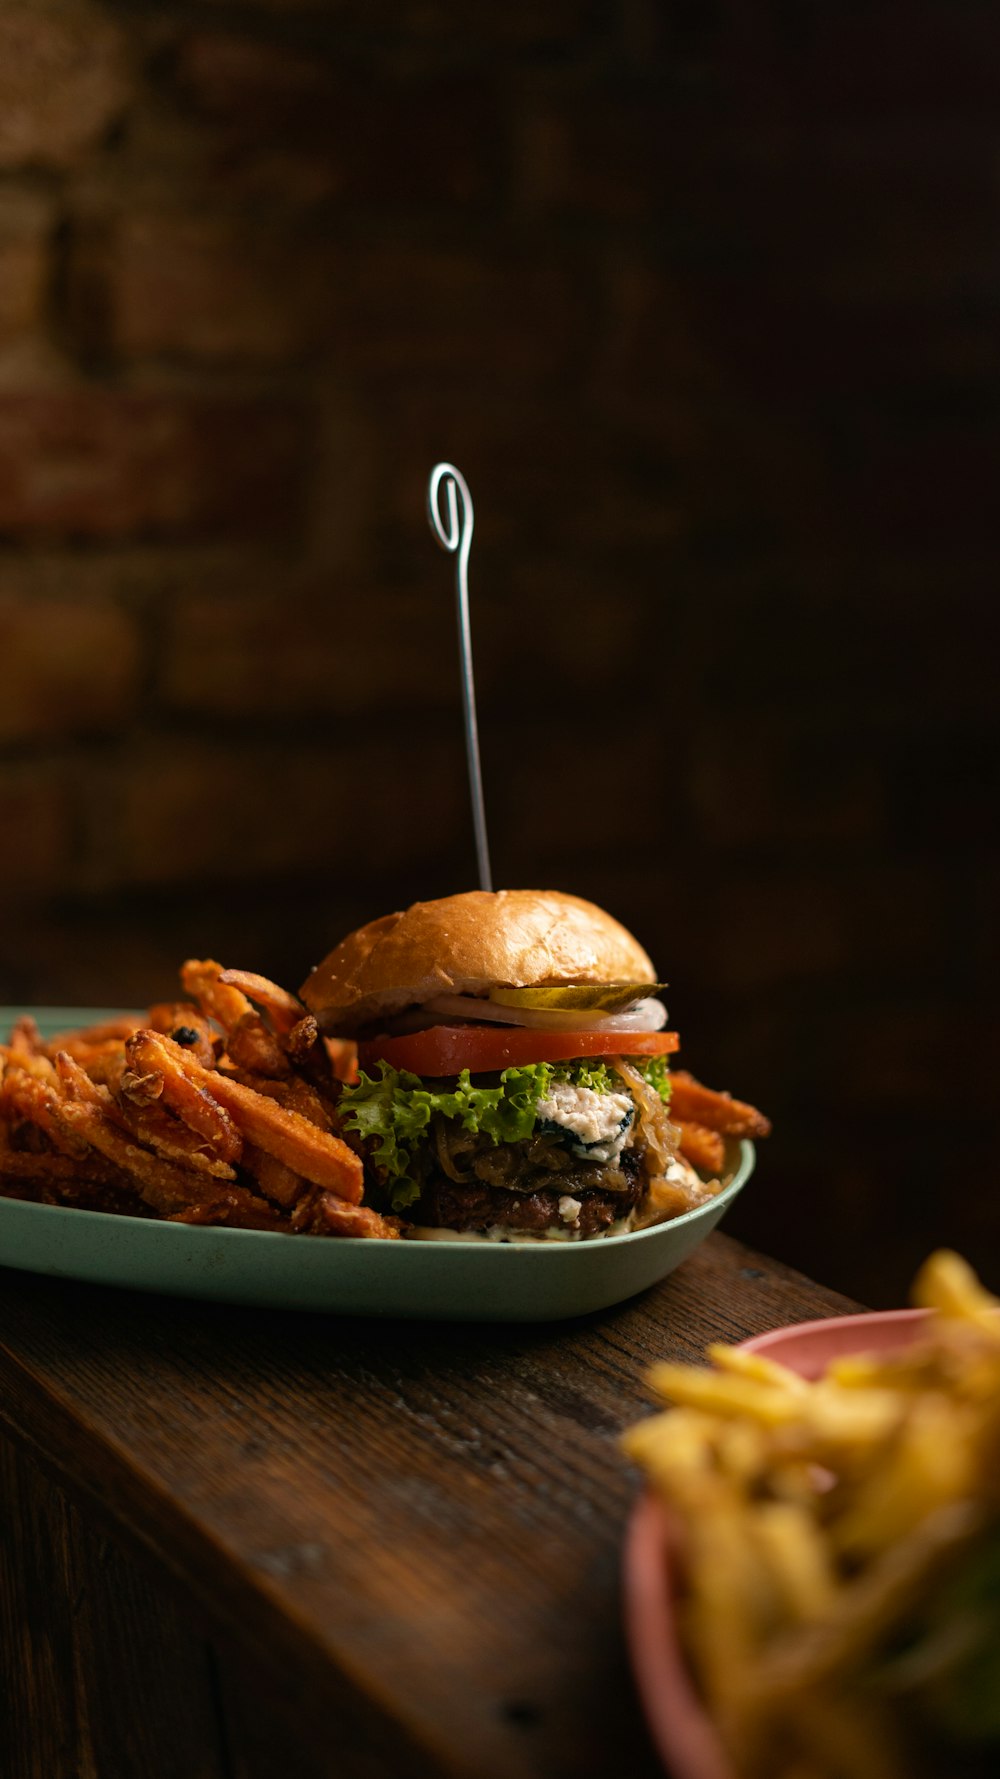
(703, 299)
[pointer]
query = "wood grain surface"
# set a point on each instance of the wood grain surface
(402, 1540)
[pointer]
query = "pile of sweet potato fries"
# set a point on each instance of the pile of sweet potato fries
(215, 1109)
(705, 1118)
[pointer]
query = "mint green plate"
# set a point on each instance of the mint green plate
(448, 1281)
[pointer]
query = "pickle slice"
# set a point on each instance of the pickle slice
(590, 997)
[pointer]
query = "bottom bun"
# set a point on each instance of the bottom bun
(475, 1208)
(500, 1232)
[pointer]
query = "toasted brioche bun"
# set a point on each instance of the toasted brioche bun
(467, 945)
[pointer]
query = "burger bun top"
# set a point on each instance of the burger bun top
(468, 944)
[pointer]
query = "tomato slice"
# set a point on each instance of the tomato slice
(482, 1049)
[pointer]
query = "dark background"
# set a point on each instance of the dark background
(703, 300)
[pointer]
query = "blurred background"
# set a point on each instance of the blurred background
(702, 298)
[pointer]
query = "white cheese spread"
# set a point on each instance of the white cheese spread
(599, 1122)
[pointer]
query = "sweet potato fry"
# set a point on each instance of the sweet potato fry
(108, 1068)
(295, 1094)
(302, 1146)
(704, 1148)
(100, 1054)
(105, 1032)
(170, 1190)
(77, 1084)
(691, 1103)
(202, 980)
(235, 1207)
(282, 1008)
(158, 1130)
(250, 1047)
(25, 1038)
(28, 1062)
(188, 1089)
(324, 1214)
(276, 1180)
(162, 1184)
(343, 1055)
(296, 1030)
(47, 1165)
(187, 1025)
(35, 1099)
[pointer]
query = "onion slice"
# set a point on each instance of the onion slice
(645, 1016)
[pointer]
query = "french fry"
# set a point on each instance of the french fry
(767, 1400)
(724, 1614)
(756, 1366)
(948, 1284)
(798, 1557)
(857, 1737)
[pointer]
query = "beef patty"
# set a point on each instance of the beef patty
(475, 1205)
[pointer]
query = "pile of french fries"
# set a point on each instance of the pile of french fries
(838, 1547)
(218, 1109)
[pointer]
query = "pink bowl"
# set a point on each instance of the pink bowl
(809, 1347)
(679, 1724)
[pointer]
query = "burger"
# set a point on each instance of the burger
(512, 1069)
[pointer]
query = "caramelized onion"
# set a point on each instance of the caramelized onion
(658, 1134)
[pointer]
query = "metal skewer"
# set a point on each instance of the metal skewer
(454, 534)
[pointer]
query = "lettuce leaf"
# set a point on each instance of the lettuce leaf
(394, 1109)
(655, 1070)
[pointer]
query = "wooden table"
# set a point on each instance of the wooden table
(237, 1544)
